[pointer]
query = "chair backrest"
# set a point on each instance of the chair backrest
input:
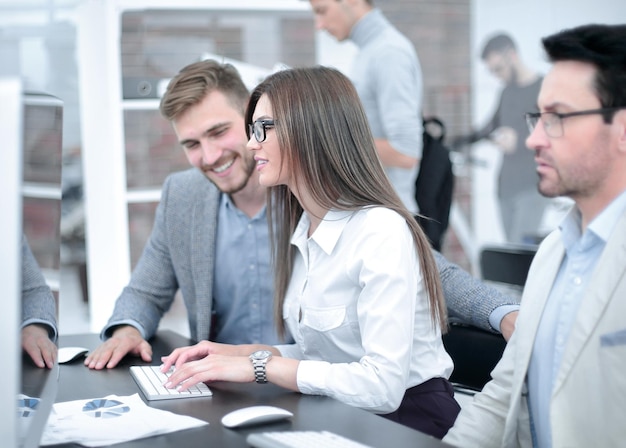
(506, 263)
(475, 353)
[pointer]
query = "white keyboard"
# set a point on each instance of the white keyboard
(301, 439)
(150, 380)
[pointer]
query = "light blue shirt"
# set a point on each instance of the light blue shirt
(243, 285)
(582, 251)
(388, 78)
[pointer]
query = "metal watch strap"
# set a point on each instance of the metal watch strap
(260, 374)
(259, 360)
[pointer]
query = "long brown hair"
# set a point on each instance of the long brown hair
(323, 134)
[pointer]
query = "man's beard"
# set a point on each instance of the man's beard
(237, 188)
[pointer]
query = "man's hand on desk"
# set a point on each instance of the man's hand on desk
(508, 324)
(125, 339)
(36, 342)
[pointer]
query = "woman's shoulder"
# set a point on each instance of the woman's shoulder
(373, 226)
(379, 215)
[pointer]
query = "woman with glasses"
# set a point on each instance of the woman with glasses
(356, 283)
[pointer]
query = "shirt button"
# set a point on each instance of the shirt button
(577, 281)
(249, 226)
(251, 267)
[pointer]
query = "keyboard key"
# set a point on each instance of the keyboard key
(150, 380)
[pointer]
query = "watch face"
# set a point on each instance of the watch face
(261, 354)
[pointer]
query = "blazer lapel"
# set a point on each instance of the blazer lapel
(203, 228)
(604, 280)
(537, 290)
(542, 272)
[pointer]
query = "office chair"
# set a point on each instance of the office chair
(506, 264)
(476, 352)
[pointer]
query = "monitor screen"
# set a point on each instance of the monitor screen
(29, 390)
(42, 161)
(41, 212)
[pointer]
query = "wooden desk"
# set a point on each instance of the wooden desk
(310, 412)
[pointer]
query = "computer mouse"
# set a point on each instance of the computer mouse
(67, 354)
(253, 415)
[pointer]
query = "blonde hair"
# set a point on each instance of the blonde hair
(195, 81)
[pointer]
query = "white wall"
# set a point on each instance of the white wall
(527, 21)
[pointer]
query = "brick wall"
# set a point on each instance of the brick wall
(154, 44)
(440, 31)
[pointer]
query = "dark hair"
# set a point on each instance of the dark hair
(604, 46)
(195, 81)
(324, 136)
(498, 43)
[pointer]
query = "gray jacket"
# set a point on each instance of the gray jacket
(38, 304)
(180, 254)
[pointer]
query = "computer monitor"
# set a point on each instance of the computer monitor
(16, 431)
(42, 161)
(42, 138)
(11, 118)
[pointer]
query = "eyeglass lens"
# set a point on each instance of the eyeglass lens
(259, 129)
(552, 124)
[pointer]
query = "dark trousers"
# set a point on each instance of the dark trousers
(429, 407)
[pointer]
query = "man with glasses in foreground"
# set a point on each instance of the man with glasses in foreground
(210, 236)
(561, 379)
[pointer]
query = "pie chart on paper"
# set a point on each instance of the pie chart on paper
(103, 408)
(26, 407)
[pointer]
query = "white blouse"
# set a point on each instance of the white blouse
(358, 312)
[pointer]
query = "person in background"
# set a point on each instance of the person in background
(39, 324)
(216, 211)
(560, 381)
(356, 283)
(521, 206)
(388, 77)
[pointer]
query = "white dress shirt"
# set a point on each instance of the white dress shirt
(358, 312)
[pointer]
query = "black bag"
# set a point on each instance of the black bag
(434, 185)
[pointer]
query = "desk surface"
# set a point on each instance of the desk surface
(310, 412)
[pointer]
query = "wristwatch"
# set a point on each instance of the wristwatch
(259, 360)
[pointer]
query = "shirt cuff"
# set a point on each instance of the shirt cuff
(311, 377)
(496, 316)
(52, 331)
(107, 332)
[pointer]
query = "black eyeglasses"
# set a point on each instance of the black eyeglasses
(553, 121)
(259, 128)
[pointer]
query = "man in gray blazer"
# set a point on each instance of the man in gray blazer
(210, 238)
(39, 325)
(561, 380)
